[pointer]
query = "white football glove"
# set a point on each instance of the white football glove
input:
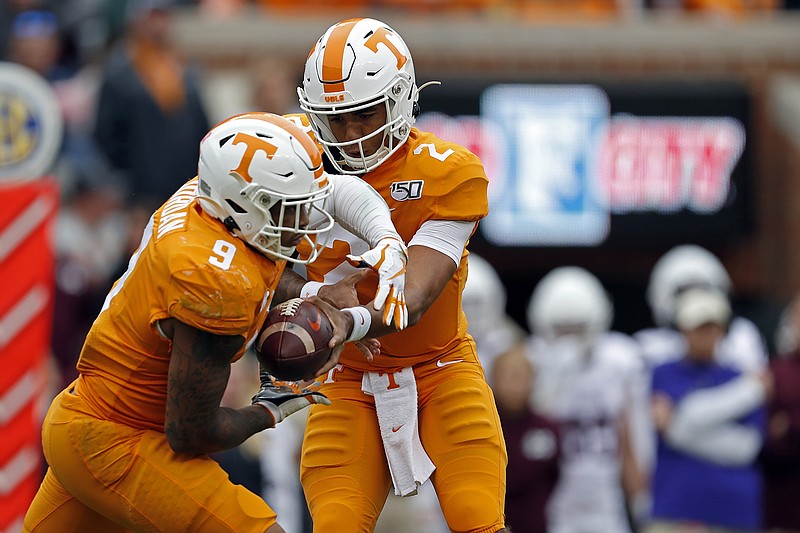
(388, 259)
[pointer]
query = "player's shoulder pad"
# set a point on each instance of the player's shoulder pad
(621, 350)
(213, 285)
(744, 326)
(222, 261)
(438, 156)
(454, 177)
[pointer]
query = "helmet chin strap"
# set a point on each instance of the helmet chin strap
(230, 224)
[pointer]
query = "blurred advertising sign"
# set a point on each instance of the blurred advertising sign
(26, 266)
(564, 171)
(30, 139)
(666, 164)
(549, 194)
(31, 124)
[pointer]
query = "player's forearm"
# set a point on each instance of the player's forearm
(289, 286)
(633, 480)
(359, 209)
(228, 429)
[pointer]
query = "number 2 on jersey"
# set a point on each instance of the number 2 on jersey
(432, 151)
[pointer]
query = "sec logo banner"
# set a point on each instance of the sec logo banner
(30, 123)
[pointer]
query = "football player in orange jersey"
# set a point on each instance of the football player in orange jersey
(421, 407)
(127, 441)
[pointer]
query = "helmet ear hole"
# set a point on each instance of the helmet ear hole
(235, 207)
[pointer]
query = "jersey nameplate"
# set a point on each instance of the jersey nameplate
(175, 212)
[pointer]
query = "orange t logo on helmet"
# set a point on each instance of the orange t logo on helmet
(333, 69)
(380, 37)
(254, 144)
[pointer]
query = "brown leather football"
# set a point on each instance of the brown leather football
(293, 344)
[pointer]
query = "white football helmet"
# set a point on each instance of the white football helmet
(570, 301)
(484, 298)
(251, 162)
(683, 267)
(357, 64)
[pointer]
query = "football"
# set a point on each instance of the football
(293, 344)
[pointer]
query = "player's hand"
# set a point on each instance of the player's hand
(370, 347)
(344, 293)
(281, 398)
(661, 410)
(388, 259)
(342, 326)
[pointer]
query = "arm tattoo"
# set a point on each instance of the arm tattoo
(198, 375)
(289, 286)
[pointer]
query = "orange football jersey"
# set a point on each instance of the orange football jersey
(189, 267)
(427, 179)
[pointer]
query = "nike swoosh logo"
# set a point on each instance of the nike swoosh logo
(316, 324)
(396, 429)
(441, 363)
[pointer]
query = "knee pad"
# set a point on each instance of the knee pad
(335, 517)
(473, 511)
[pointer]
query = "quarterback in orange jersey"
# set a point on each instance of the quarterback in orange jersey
(127, 442)
(421, 408)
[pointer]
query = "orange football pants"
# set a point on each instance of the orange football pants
(108, 477)
(344, 471)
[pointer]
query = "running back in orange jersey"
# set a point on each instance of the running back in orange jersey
(200, 276)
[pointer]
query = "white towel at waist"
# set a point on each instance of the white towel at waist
(396, 407)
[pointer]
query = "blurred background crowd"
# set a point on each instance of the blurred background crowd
(658, 346)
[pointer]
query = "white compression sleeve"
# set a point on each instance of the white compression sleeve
(446, 236)
(359, 209)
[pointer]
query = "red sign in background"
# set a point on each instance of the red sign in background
(26, 296)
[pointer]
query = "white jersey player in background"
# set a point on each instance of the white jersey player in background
(484, 304)
(589, 380)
